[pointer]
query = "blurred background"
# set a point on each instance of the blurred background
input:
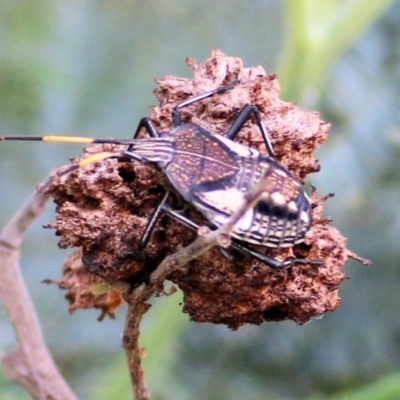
(88, 68)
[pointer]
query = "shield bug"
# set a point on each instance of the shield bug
(212, 173)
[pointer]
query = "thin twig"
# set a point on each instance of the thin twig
(30, 364)
(137, 299)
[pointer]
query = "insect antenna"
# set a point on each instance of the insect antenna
(77, 140)
(67, 139)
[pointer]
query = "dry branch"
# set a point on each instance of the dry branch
(30, 364)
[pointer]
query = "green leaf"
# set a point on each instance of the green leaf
(317, 34)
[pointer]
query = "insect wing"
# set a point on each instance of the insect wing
(200, 162)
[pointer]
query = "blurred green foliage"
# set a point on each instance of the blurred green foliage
(88, 68)
(387, 388)
(317, 34)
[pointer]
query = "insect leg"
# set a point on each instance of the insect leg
(269, 261)
(144, 123)
(242, 118)
(176, 116)
(152, 222)
(161, 207)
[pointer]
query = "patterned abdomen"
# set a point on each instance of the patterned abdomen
(280, 219)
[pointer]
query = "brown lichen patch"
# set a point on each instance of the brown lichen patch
(81, 286)
(104, 208)
(246, 291)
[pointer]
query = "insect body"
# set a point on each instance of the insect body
(213, 173)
